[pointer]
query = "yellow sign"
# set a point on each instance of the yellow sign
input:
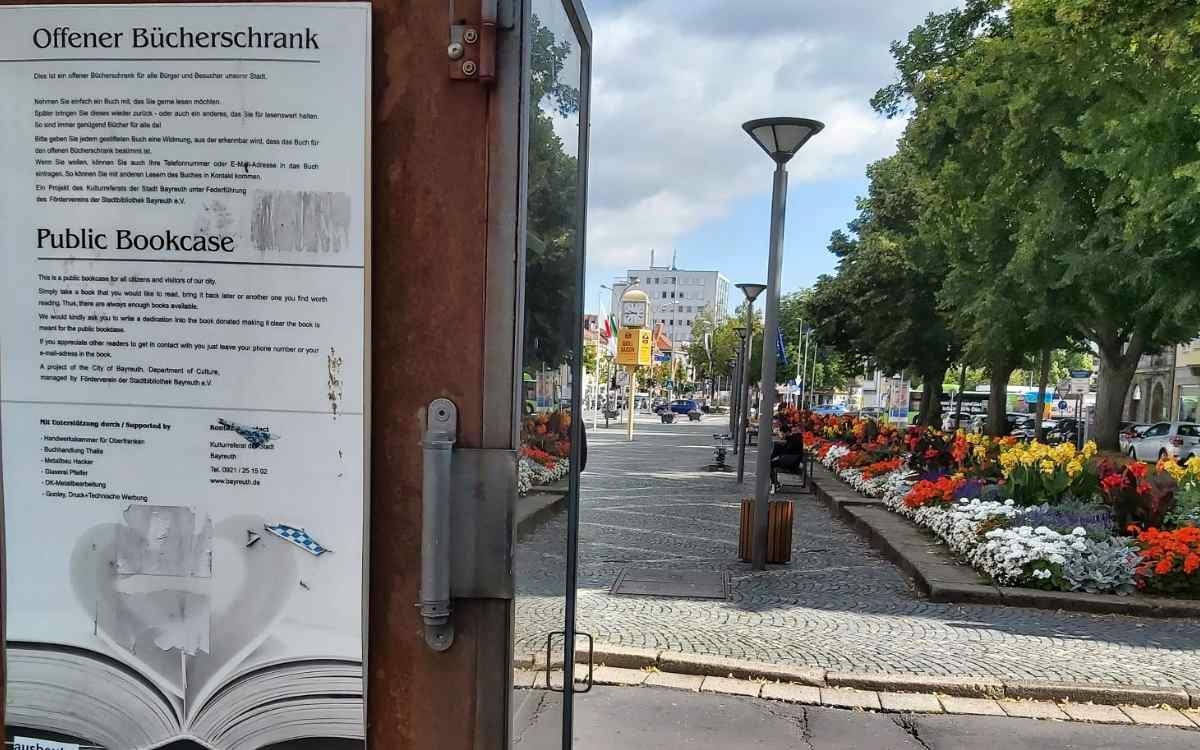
(634, 346)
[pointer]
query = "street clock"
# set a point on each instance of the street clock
(633, 314)
(635, 309)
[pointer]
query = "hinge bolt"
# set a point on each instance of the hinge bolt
(455, 51)
(470, 36)
(469, 67)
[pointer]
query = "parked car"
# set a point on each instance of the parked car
(1025, 427)
(1131, 431)
(964, 420)
(1065, 430)
(1177, 440)
(1011, 420)
(871, 412)
(828, 409)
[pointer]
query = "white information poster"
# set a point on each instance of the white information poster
(184, 199)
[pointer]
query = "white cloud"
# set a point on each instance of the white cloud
(672, 82)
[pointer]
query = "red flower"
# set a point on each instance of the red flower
(1191, 563)
(1112, 482)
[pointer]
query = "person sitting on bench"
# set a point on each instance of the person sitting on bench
(789, 456)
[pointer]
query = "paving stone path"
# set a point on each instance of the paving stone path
(839, 605)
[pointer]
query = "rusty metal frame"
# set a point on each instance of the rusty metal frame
(504, 303)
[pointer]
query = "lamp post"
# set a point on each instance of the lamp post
(735, 388)
(751, 291)
(780, 138)
(707, 327)
(812, 376)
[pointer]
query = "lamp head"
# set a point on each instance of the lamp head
(751, 291)
(782, 137)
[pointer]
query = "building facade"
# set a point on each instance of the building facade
(1185, 402)
(1149, 396)
(677, 297)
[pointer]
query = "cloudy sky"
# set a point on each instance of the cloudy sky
(671, 168)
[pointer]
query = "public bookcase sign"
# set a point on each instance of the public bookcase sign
(635, 347)
(183, 345)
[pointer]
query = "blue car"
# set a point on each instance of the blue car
(684, 406)
(829, 409)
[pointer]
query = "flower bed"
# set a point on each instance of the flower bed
(533, 473)
(545, 450)
(1028, 514)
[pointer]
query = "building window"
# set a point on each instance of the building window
(1189, 403)
(664, 295)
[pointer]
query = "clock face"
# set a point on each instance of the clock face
(633, 314)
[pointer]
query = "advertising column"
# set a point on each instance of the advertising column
(183, 212)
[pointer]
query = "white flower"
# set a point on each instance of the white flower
(1010, 556)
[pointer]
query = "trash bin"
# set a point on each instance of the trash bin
(779, 531)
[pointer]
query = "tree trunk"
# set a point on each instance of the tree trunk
(931, 399)
(1116, 373)
(1039, 434)
(998, 399)
(924, 409)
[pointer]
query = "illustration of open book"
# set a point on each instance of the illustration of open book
(184, 649)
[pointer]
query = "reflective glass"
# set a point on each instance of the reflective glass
(551, 360)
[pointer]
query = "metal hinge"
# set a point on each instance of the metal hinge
(472, 47)
(466, 523)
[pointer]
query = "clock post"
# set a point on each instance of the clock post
(634, 343)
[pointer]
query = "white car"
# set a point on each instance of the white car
(964, 421)
(1177, 440)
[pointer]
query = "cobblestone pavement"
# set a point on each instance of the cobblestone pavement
(838, 605)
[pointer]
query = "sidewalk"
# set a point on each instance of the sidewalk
(640, 718)
(838, 606)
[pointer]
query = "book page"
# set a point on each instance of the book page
(183, 232)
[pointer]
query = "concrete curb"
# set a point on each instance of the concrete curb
(539, 505)
(703, 665)
(930, 565)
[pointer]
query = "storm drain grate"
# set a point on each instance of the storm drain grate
(682, 584)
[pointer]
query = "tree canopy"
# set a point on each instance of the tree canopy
(1043, 196)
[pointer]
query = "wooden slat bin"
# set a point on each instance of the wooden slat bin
(779, 531)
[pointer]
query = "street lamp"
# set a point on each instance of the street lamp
(751, 291)
(780, 138)
(707, 327)
(735, 389)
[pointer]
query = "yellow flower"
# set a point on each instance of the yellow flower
(1089, 449)
(1173, 468)
(1048, 466)
(1193, 466)
(1074, 468)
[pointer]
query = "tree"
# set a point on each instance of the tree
(882, 305)
(551, 254)
(1061, 170)
(1116, 86)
